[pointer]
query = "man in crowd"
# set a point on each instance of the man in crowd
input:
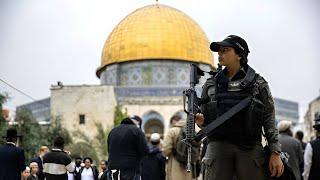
(103, 166)
(57, 163)
(11, 157)
(89, 171)
(126, 147)
(34, 168)
(174, 169)
(292, 147)
(25, 174)
(78, 161)
(153, 166)
(39, 159)
(312, 155)
(299, 136)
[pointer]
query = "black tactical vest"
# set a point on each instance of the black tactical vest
(315, 167)
(244, 128)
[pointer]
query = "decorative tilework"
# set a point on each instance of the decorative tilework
(149, 73)
(135, 77)
(183, 76)
(160, 75)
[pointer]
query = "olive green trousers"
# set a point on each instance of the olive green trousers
(225, 161)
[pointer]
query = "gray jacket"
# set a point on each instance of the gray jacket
(294, 149)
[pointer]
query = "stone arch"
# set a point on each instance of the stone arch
(152, 122)
(180, 113)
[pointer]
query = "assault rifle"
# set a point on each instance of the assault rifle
(192, 109)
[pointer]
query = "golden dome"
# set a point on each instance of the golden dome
(156, 32)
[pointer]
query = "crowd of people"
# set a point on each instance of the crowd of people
(132, 157)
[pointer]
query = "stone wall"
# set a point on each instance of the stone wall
(96, 103)
(314, 107)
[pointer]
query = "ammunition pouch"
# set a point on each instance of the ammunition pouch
(209, 111)
(255, 118)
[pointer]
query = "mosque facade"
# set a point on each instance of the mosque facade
(145, 66)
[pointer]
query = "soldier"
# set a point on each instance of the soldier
(235, 148)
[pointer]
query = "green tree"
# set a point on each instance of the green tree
(119, 115)
(84, 149)
(36, 135)
(33, 135)
(55, 129)
(3, 124)
(3, 99)
(101, 140)
(98, 144)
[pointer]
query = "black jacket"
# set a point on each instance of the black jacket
(12, 162)
(153, 165)
(315, 167)
(33, 178)
(94, 172)
(126, 146)
(56, 164)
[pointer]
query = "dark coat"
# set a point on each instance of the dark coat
(294, 149)
(104, 176)
(126, 146)
(56, 163)
(40, 166)
(12, 162)
(94, 172)
(33, 178)
(153, 165)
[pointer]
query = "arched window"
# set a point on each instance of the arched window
(180, 113)
(152, 123)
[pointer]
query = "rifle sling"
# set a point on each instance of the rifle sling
(227, 115)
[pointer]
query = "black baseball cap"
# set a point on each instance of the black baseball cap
(231, 41)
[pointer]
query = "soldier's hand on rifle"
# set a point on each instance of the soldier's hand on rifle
(199, 119)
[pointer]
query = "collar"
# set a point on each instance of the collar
(241, 73)
(56, 149)
(11, 143)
